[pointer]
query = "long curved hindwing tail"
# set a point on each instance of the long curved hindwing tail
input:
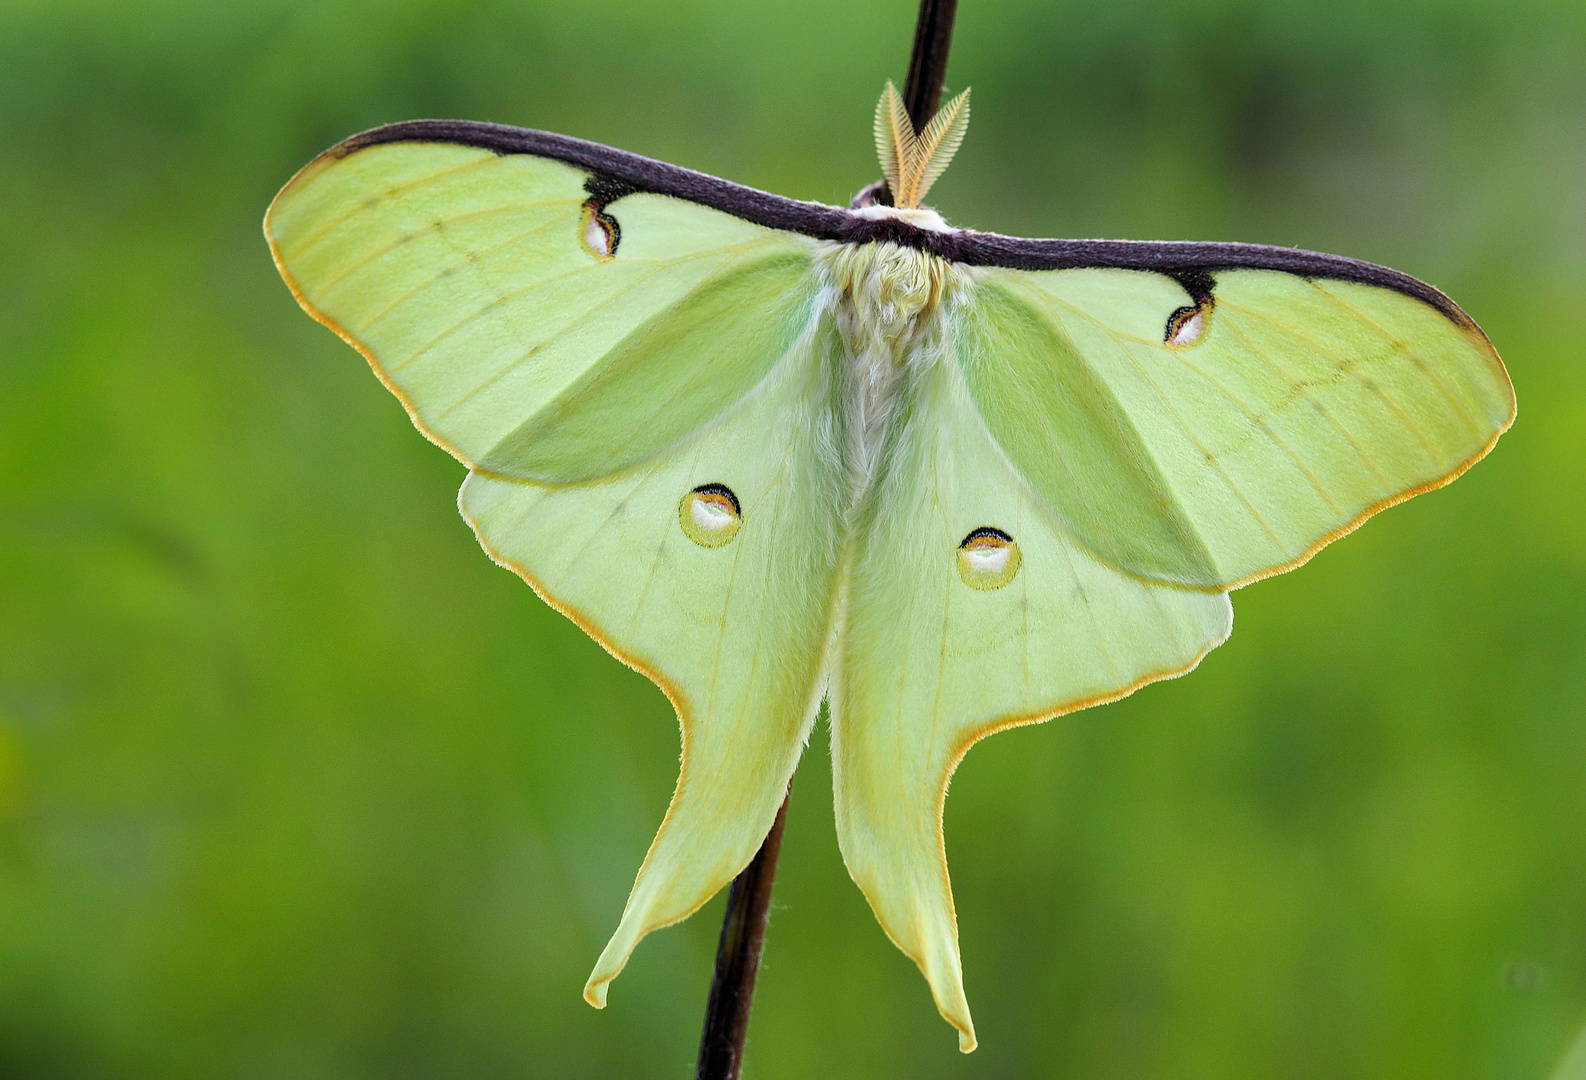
(970, 609)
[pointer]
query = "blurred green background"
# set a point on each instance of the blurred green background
(295, 783)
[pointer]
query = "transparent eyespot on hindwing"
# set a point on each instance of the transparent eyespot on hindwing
(598, 231)
(1187, 325)
(988, 559)
(710, 515)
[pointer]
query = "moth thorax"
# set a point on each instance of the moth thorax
(891, 291)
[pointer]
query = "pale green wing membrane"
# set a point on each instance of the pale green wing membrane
(1070, 490)
(640, 384)
(532, 327)
(733, 625)
(1211, 440)
(945, 642)
(1092, 442)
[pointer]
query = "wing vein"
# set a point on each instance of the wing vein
(1211, 458)
(1404, 350)
(1259, 421)
(375, 200)
(1303, 388)
(515, 294)
(1348, 366)
(438, 227)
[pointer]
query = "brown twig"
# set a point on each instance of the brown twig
(743, 926)
(738, 961)
(933, 36)
(922, 90)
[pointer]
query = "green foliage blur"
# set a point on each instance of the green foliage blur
(294, 783)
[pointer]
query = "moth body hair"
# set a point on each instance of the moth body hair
(888, 303)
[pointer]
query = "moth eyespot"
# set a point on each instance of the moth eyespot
(988, 559)
(1186, 325)
(710, 515)
(599, 232)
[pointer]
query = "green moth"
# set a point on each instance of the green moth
(772, 453)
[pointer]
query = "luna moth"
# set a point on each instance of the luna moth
(773, 453)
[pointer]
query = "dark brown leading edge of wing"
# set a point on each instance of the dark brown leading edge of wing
(1179, 259)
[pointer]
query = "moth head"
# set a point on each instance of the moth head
(912, 160)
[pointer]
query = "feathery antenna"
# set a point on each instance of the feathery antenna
(912, 159)
(894, 137)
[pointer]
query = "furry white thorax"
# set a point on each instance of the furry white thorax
(887, 300)
(921, 217)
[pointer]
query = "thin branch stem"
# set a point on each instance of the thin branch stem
(738, 961)
(933, 37)
(922, 90)
(749, 900)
